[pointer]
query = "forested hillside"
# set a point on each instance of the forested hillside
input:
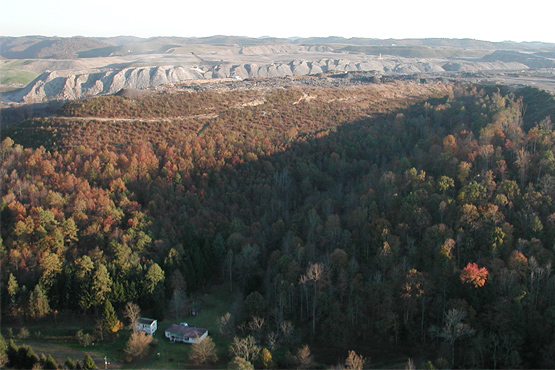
(419, 215)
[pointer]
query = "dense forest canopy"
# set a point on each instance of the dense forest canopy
(422, 215)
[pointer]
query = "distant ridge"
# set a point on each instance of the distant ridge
(39, 47)
(28, 47)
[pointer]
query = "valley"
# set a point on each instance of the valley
(321, 205)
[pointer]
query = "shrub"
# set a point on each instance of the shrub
(23, 333)
(85, 339)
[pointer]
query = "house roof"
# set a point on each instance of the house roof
(186, 331)
(144, 320)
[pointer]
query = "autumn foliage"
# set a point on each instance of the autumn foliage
(472, 274)
(342, 210)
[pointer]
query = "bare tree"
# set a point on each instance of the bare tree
(176, 303)
(354, 361)
(453, 329)
(204, 352)
(138, 344)
(313, 275)
(304, 357)
(132, 312)
(286, 331)
(99, 330)
(226, 325)
(245, 348)
(523, 159)
(255, 327)
(485, 152)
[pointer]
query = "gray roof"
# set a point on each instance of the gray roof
(186, 331)
(144, 320)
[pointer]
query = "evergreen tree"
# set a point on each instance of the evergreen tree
(27, 358)
(88, 363)
(101, 285)
(70, 364)
(3, 344)
(11, 353)
(49, 363)
(13, 287)
(110, 319)
(153, 277)
(3, 350)
(38, 303)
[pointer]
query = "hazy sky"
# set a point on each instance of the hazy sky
(493, 20)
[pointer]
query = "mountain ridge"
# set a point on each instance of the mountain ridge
(63, 47)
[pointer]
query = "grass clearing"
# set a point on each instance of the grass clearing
(59, 340)
(167, 355)
(18, 62)
(16, 76)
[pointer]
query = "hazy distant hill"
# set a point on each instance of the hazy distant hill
(438, 42)
(531, 60)
(32, 47)
(135, 48)
(63, 48)
(119, 40)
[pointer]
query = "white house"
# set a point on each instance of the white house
(149, 326)
(185, 333)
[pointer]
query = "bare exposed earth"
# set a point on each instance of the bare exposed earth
(82, 77)
(542, 81)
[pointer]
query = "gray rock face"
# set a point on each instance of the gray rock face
(69, 85)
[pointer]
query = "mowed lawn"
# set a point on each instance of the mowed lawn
(59, 341)
(176, 355)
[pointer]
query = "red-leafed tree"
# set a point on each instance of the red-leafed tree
(475, 275)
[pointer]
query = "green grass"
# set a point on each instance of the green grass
(16, 76)
(18, 62)
(59, 340)
(175, 355)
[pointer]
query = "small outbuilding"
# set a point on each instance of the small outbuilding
(149, 326)
(185, 333)
(195, 311)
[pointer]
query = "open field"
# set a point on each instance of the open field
(16, 76)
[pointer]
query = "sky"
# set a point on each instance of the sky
(490, 20)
